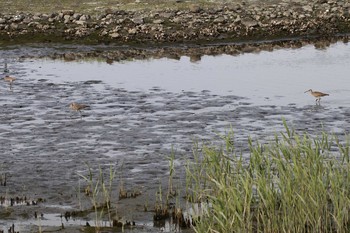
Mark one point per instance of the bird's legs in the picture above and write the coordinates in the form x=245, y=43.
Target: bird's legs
x=318, y=100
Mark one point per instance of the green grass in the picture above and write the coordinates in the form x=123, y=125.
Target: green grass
x=297, y=183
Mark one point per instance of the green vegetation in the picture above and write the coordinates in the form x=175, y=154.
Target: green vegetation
x=100, y=192
x=296, y=183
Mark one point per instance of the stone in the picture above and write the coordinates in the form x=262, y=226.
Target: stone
x=158, y=21
x=307, y=8
x=14, y=26
x=132, y=31
x=167, y=15
x=195, y=8
x=68, y=12
x=137, y=20
x=220, y=19
x=249, y=23
x=32, y=24
x=80, y=22
x=76, y=16
x=66, y=21
x=114, y=35
x=238, y=19
x=44, y=17
x=83, y=18
x=66, y=17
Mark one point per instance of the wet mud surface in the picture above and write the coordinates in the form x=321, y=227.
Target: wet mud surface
x=45, y=145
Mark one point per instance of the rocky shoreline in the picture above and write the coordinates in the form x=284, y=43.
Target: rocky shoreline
x=232, y=22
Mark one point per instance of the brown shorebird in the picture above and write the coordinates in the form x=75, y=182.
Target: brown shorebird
x=317, y=95
x=9, y=79
x=78, y=107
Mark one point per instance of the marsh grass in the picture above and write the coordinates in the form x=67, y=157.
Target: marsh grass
x=100, y=193
x=171, y=192
x=297, y=183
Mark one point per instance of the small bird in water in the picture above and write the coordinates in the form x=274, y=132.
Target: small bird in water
x=317, y=95
x=10, y=80
x=78, y=107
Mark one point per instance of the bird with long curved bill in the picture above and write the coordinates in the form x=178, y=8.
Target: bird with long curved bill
x=317, y=94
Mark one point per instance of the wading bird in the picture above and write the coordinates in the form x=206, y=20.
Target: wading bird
x=78, y=107
x=10, y=80
x=317, y=95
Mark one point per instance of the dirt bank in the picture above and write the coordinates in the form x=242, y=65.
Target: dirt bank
x=223, y=23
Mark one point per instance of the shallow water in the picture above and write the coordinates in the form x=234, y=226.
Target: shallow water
x=140, y=109
x=279, y=77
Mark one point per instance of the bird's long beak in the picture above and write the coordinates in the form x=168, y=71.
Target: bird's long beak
x=306, y=91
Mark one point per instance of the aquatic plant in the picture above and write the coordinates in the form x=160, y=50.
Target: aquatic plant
x=295, y=183
x=99, y=193
x=171, y=192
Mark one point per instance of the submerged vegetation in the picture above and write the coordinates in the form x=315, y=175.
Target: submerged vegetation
x=296, y=183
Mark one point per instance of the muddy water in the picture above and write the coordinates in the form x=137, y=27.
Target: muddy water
x=141, y=109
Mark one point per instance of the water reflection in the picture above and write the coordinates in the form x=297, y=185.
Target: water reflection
x=278, y=78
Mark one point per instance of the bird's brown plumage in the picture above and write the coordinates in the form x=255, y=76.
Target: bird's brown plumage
x=77, y=107
x=9, y=79
x=317, y=94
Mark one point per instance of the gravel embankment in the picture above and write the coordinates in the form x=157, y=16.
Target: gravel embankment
x=231, y=22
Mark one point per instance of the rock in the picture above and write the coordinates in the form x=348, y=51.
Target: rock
x=132, y=31
x=76, y=16
x=114, y=35
x=2, y=20
x=158, y=21
x=60, y=16
x=66, y=17
x=167, y=15
x=137, y=20
x=84, y=18
x=44, y=17
x=220, y=19
x=177, y=20
x=249, y=23
x=238, y=19
x=31, y=24
x=195, y=8
x=18, y=18
x=307, y=8
x=80, y=22
x=68, y=12
x=14, y=26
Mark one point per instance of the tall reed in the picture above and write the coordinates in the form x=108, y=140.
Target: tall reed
x=296, y=183
x=100, y=193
